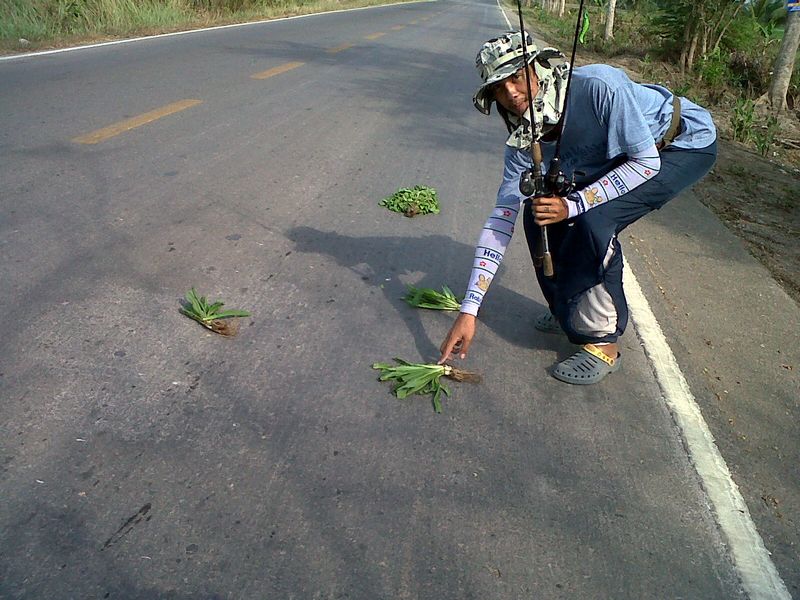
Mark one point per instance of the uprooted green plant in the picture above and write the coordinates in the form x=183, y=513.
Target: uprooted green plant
x=419, y=200
x=418, y=378
x=430, y=298
x=211, y=315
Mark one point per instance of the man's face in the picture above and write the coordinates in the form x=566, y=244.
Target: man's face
x=512, y=92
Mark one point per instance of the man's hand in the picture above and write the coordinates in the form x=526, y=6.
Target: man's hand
x=549, y=209
x=459, y=338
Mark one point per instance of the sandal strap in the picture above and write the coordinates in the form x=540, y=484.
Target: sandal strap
x=595, y=351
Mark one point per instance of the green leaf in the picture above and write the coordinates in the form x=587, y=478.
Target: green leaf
x=191, y=315
x=191, y=295
x=414, y=378
x=437, y=403
x=215, y=307
x=227, y=314
x=429, y=298
x=584, y=28
x=199, y=309
x=422, y=198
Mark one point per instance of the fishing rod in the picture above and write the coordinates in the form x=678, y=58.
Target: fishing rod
x=532, y=182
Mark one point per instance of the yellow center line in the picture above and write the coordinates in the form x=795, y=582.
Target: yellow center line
x=398, y=27
x=122, y=126
x=338, y=48
x=276, y=70
x=375, y=36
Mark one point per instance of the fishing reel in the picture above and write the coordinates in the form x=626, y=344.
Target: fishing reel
x=532, y=184
x=554, y=183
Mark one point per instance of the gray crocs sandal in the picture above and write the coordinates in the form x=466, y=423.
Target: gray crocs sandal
x=548, y=323
x=588, y=365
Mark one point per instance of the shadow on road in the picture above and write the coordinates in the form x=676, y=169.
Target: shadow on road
x=506, y=312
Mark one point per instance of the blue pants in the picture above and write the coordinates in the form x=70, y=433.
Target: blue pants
x=586, y=294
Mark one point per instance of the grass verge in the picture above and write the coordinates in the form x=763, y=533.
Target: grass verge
x=27, y=25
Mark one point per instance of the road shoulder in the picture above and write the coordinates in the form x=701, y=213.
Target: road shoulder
x=728, y=323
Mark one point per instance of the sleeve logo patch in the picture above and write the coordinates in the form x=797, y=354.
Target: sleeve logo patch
x=495, y=256
x=593, y=196
x=618, y=183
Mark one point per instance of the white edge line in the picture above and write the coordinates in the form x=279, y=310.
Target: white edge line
x=10, y=57
x=503, y=12
x=751, y=559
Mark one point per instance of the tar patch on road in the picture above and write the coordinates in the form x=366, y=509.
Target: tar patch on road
x=126, y=528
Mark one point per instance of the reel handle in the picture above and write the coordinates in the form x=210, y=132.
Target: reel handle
x=547, y=266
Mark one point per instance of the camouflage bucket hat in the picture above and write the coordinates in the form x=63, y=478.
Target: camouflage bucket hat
x=497, y=59
x=502, y=57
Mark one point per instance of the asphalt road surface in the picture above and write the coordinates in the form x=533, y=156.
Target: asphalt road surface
x=144, y=457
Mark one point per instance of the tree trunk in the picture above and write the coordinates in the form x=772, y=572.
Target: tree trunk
x=609, y=33
x=684, y=51
x=689, y=41
x=784, y=63
x=561, y=6
x=692, y=49
x=704, y=43
x=692, y=37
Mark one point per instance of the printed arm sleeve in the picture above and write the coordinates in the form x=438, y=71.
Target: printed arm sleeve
x=640, y=167
x=492, y=245
x=496, y=233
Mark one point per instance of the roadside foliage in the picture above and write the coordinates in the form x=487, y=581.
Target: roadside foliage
x=739, y=55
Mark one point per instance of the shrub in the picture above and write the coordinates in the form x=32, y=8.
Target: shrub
x=713, y=69
x=743, y=120
x=750, y=73
x=765, y=137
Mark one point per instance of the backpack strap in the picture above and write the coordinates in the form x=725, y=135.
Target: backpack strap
x=674, y=128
